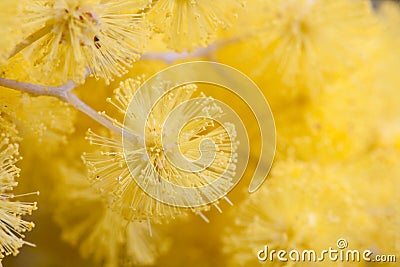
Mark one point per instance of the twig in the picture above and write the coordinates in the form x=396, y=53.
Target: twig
x=170, y=57
x=63, y=93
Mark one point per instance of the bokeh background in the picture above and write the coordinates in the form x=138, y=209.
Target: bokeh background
x=329, y=70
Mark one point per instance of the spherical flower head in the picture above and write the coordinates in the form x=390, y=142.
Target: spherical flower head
x=374, y=177
x=99, y=233
x=11, y=223
x=344, y=121
x=308, y=42
x=42, y=121
x=150, y=164
x=188, y=24
x=302, y=201
x=77, y=37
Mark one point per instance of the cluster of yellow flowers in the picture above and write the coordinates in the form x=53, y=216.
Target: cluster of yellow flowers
x=108, y=168
x=327, y=68
x=11, y=224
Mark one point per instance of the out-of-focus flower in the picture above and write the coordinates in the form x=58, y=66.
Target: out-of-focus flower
x=329, y=70
x=41, y=121
x=100, y=37
x=301, y=40
x=99, y=232
x=189, y=24
x=327, y=129
x=12, y=226
x=8, y=129
x=295, y=47
x=108, y=169
x=374, y=181
x=304, y=200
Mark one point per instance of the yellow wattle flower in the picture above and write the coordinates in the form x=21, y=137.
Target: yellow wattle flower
x=305, y=200
x=188, y=24
x=108, y=169
x=309, y=41
x=12, y=226
x=102, y=38
x=328, y=128
x=293, y=47
x=336, y=171
x=42, y=121
x=100, y=233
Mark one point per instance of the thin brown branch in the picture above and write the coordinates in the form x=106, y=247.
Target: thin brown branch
x=64, y=93
x=208, y=51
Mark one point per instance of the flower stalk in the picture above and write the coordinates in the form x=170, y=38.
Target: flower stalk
x=65, y=94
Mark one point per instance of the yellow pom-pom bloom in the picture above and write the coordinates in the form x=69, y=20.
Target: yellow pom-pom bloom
x=77, y=36
x=12, y=226
x=39, y=120
x=354, y=200
x=301, y=38
x=298, y=45
x=99, y=232
x=188, y=24
x=108, y=168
